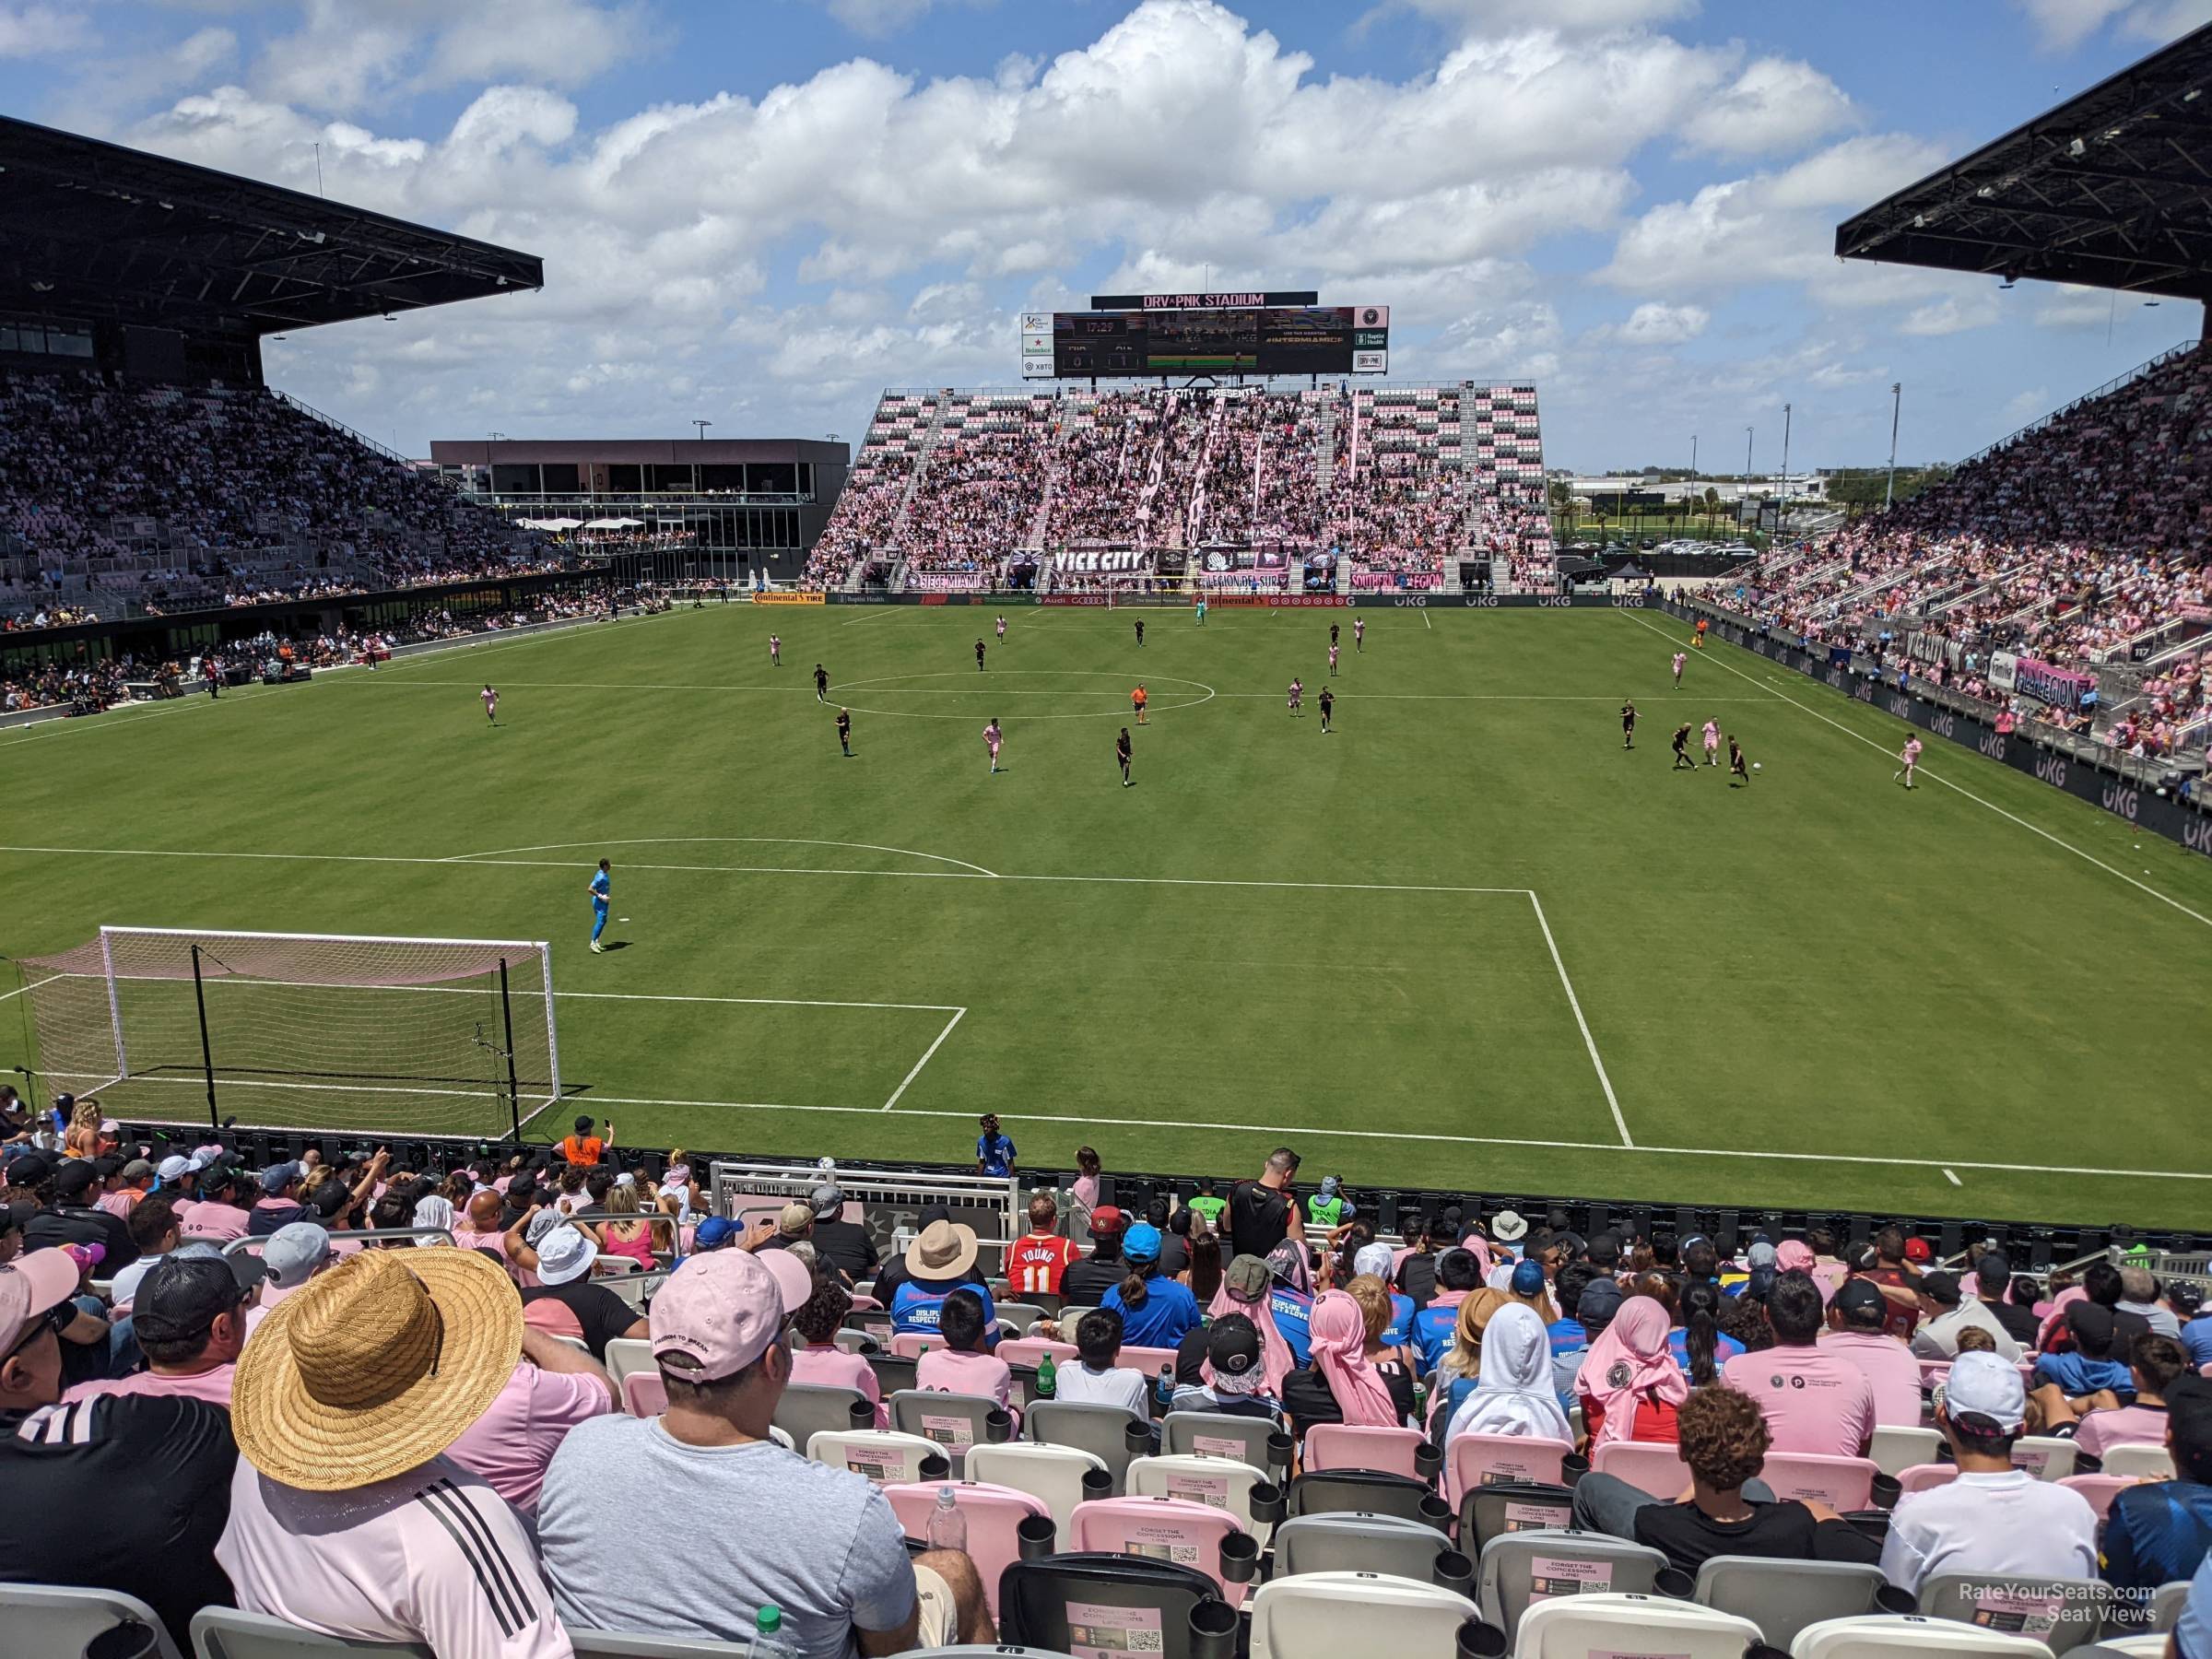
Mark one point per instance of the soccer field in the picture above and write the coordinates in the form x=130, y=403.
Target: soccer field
x=1463, y=941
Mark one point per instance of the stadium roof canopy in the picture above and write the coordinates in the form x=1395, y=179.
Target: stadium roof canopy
x=98, y=233
x=2112, y=189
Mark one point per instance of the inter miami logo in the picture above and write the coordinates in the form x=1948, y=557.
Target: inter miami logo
x=1620, y=1374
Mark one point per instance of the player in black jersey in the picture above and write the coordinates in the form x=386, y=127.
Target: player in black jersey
x=1121, y=754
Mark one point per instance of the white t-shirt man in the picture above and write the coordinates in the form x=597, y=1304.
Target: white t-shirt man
x=432, y=1555
x=2010, y=1524
x=1117, y=1386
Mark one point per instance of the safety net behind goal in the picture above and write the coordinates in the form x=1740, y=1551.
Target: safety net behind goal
x=300, y=1031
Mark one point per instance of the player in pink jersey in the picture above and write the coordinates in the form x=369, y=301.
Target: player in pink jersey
x=775, y=652
x=1910, y=758
x=1297, y=689
x=1358, y=633
x=1680, y=658
x=1332, y=656
x=491, y=705
x=992, y=737
x=1712, y=743
x=1002, y=631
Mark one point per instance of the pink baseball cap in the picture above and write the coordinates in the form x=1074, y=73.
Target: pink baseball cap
x=30, y=1285
x=722, y=1311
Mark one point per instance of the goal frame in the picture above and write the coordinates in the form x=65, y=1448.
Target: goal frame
x=520, y=1112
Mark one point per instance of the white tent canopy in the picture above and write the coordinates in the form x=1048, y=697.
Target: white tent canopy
x=612, y=524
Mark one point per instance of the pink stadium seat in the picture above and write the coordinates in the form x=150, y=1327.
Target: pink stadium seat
x=1146, y=1359
x=1194, y=1535
x=644, y=1395
x=2100, y=1489
x=1338, y=1446
x=1657, y=1469
x=994, y=1513
x=1480, y=1460
x=913, y=1345
x=1024, y=1351
x=1920, y=1476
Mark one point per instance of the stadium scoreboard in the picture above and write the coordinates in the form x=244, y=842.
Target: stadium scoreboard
x=1127, y=336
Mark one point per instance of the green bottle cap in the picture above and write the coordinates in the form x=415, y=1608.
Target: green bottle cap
x=768, y=1620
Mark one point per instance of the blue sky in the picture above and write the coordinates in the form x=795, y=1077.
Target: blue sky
x=761, y=212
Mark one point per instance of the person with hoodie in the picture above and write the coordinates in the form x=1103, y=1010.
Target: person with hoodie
x=1513, y=1392
x=1247, y=1292
x=1156, y=1311
x=1343, y=1385
x=1631, y=1387
x=1456, y=1372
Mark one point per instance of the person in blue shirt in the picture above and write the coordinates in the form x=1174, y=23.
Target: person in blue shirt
x=1374, y=1260
x=1458, y=1274
x=2196, y=1329
x=2160, y=1533
x=1156, y=1311
x=938, y=1263
x=2088, y=1365
x=602, y=891
x=1701, y=1315
x=1290, y=1298
x=994, y=1152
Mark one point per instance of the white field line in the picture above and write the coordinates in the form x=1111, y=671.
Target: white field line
x=702, y=841
x=1281, y=1131
x=761, y=1002
x=1427, y=625
x=1952, y=1179
x=1574, y=1003
x=486, y=860
x=995, y=690
x=31, y=985
x=1938, y=777
x=926, y=1054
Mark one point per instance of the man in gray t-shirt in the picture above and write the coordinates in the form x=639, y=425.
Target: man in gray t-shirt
x=820, y=1544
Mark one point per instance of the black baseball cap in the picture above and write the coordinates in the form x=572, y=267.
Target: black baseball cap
x=183, y=1291
x=1940, y=1288
x=1857, y=1297
x=1600, y=1300
x=73, y=1175
x=1232, y=1345
x=1995, y=1272
x=28, y=1169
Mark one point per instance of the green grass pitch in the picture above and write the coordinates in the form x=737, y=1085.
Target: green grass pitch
x=1464, y=941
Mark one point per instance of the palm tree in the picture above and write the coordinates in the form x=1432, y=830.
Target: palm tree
x=1712, y=507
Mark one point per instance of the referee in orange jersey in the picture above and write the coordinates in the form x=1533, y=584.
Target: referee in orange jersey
x=1136, y=701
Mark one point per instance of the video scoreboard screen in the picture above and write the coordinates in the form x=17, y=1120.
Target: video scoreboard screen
x=1202, y=339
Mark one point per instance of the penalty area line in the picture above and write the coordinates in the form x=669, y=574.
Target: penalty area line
x=928, y=1054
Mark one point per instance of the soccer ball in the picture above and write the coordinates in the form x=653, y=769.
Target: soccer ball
x=1754, y=766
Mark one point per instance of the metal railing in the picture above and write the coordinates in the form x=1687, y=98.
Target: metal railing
x=335, y=425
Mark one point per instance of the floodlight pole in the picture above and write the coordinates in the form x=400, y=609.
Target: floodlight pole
x=1896, y=403
x=1746, y=496
x=1782, y=522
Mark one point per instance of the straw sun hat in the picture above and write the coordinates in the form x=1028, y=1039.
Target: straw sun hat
x=375, y=1367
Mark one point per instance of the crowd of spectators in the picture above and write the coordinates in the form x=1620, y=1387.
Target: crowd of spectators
x=952, y=483
x=2082, y=542
x=368, y=1423
x=172, y=497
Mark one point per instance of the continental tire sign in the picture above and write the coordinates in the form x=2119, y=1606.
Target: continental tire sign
x=787, y=597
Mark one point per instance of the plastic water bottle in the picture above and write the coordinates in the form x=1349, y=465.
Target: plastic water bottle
x=768, y=1641
x=1047, y=1377
x=1166, y=1387
x=948, y=1526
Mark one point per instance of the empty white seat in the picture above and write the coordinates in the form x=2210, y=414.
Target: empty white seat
x=881, y=1455
x=62, y=1619
x=1330, y=1614
x=1873, y=1636
x=2143, y=1461
x=1051, y=1473
x=1575, y=1627
x=1781, y=1597
x=1897, y=1449
x=225, y=1633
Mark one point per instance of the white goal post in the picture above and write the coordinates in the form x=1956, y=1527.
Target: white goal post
x=287, y=1030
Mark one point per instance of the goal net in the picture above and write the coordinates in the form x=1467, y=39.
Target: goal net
x=300, y=1031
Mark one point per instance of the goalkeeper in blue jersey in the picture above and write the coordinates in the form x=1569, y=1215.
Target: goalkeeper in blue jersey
x=602, y=891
